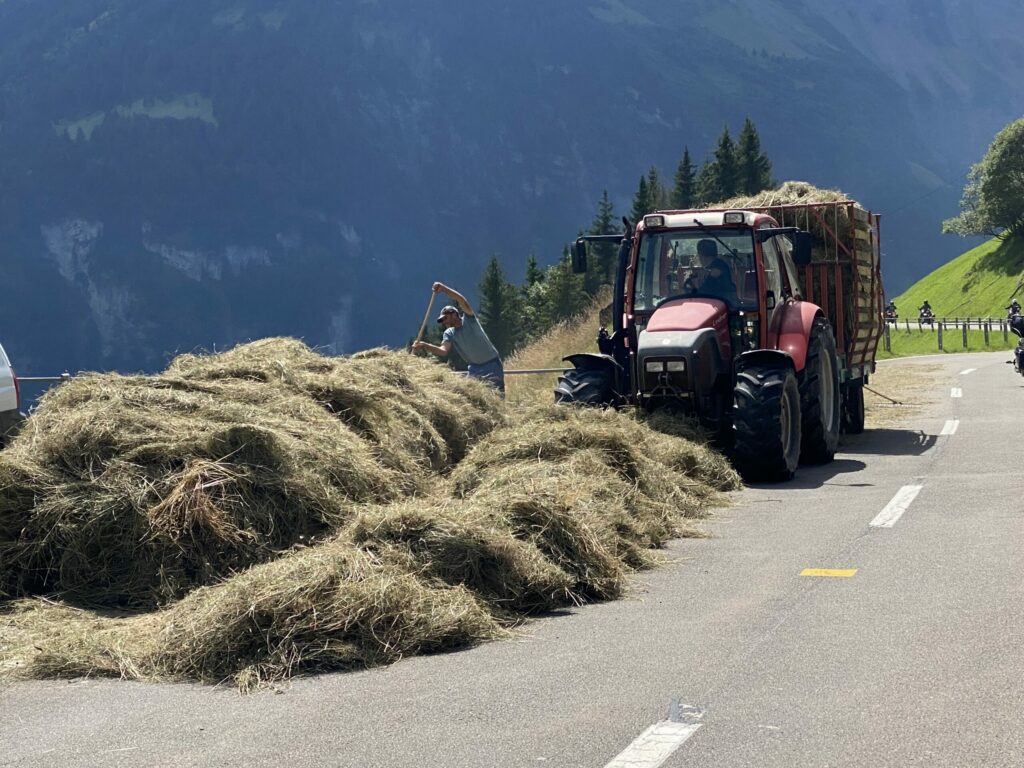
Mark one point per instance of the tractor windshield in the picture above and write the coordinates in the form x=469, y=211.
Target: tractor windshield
x=693, y=262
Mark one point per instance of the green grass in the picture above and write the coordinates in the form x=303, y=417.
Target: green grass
x=906, y=343
x=979, y=283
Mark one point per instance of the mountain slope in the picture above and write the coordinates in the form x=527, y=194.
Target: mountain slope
x=179, y=173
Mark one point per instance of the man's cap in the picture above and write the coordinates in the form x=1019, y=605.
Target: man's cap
x=447, y=311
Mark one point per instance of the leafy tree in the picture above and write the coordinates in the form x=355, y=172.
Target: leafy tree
x=685, y=181
x=754, y=169
x=564, y=293
x=501, y=309
x=536, y=321
x=993, y=198
x=602, y=270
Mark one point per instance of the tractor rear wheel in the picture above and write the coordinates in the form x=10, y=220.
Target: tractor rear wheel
x=853, y=407
x=585, y=386
x=820, y=401
x=766, y=423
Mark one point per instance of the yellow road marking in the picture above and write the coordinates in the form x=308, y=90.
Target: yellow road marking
x=839, y=573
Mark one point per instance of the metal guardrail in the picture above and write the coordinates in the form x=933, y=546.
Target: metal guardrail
x=956, y=322
x=941, y=326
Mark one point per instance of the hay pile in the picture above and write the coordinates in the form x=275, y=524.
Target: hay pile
x=269, y=510
x=799, y=192
x=130, y=491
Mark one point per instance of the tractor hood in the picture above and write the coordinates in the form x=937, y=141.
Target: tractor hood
x=688, y=315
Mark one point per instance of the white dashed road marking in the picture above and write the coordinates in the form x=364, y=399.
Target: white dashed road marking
x=956, y=392
x=894, y=509
x=655, y=745
x=950, y=427
x=969, y=370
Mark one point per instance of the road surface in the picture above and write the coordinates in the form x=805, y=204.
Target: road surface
x=867, y=614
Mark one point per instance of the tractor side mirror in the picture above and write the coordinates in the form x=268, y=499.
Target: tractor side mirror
x=769, y=300
x=579, y=256
x=802, y=248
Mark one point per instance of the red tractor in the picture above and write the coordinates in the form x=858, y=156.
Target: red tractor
x=765, y=332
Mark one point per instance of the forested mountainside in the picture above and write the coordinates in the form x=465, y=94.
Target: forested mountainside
x=178, y=174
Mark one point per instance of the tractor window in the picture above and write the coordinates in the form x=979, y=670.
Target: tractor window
x=693, y=262
x=773, y=269
x=786, y=251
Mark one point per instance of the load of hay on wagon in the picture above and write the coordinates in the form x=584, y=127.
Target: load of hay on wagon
x=269, y=510
x=844, y=232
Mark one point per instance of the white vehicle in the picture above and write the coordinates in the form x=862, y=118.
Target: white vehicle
x=10, y=400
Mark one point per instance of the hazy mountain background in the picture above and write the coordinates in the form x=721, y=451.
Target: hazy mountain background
x=178, y=174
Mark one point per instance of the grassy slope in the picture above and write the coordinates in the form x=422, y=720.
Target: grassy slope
x=578, y=334
x=979, y=283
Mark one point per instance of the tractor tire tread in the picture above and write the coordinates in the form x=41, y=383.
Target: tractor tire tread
x=758, y=450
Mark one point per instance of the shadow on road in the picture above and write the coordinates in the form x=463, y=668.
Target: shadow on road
x=888, y=442
x=810, y=476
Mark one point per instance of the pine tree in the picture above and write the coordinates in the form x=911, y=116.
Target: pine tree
x=753, y=166
x=641, y=201
x=500, y=309
x=725, y=166
x=706, y=187
x=602, y=271
x=657, y=195
x=534, y=274
x=684, y=186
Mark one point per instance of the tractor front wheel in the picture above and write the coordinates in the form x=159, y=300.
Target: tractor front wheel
x=766, y=423
x=585, y=386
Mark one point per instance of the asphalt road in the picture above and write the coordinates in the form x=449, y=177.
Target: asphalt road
x=911, y=657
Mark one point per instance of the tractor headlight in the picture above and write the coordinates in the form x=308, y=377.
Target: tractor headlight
x=676, y=366
x=734, y=217
x=654, y=366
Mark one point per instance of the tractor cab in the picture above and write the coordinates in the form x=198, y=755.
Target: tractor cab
x=700, y=289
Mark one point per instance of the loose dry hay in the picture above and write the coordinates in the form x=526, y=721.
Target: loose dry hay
x=331, y=606
x=556, y=508
x=130, y=491
x=798, y=192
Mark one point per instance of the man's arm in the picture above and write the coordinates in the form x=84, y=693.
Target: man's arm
x=456, y=296
x=441, y=351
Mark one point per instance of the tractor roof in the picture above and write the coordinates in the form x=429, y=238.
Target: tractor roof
x=706, y=218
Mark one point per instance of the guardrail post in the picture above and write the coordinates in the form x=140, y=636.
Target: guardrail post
x=1006, y=330
x=940, y=336
x=986, y=333
x=964, y=329
x=887, y=340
